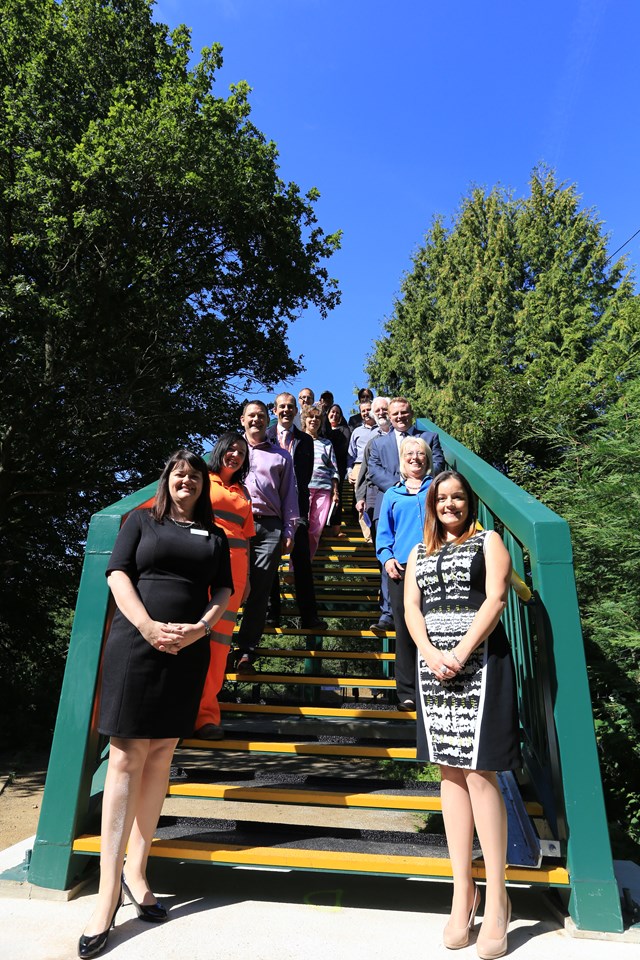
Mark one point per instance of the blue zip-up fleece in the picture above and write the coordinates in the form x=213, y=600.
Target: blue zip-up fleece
x=401, y=522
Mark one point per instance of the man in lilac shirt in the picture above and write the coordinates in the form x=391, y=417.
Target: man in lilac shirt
x=272, y=487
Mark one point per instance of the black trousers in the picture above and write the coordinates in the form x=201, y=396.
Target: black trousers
x=302, y=578
x=405, y=670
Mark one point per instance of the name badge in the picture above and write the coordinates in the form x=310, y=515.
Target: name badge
x=199, y=533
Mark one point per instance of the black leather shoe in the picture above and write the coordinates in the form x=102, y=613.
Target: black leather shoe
x=210, y=731
x=92, y=946
x=245, y=664
x=407, y=706
x=381, y=626
x=316, y=624
x=154, y=913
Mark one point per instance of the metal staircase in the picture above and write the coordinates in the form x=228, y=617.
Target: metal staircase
x=310, y=727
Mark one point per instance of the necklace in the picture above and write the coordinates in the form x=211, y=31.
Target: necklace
x=181, y=523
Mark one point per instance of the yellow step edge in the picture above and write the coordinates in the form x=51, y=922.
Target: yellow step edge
x=336, y=614
x=324, y=798
x=327, y=681
x=325, y=632
x=342, y=597
x=328, y=860
x=296, y=711
x=340, y=557
x=304, y=748
x=387, y=801
x=325, y=654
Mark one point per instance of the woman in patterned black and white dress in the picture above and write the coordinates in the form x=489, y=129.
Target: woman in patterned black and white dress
x=456, y=588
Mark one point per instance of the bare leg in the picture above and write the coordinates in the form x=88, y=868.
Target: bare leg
x=491, y=823
x=458, y=824
x=155, y=778
x=121, y=790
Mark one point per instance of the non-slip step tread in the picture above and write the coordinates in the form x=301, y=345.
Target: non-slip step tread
x=425, y=798
x=325, y=632
x=324, y=654
x=310, y=711
x=305, y=796
x=304, y=748
x=265, y=726
x=301, y=678
x=329, y=860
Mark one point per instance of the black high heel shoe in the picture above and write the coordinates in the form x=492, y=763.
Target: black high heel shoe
x=155, y=913
x=92, y=946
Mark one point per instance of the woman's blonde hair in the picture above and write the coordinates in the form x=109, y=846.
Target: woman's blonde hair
x=434, y=535
x=305, y=413
x=426, y=449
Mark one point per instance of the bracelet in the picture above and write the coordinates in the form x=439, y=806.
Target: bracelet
x=207, y=628
x=459, y=662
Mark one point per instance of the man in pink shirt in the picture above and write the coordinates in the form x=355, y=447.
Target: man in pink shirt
x=272, y=487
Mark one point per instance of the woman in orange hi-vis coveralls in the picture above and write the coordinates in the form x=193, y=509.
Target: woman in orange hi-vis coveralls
x=228, y=465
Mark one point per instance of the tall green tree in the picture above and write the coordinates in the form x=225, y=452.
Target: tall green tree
x=506, y=320
x=151, y=259
x=595, y=485
x=515, y=334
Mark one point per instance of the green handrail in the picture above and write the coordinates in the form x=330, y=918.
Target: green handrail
x=559, y=748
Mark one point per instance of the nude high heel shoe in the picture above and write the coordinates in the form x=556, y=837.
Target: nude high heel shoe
x=491, y=948
x=454, y=938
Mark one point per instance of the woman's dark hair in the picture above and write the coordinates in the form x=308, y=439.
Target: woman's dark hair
x=434, y=535
x=202, y=513
x=336, y=406
x=222, y=447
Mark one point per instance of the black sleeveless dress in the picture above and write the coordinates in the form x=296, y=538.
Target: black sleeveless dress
x=470, y=721
x=146, y=693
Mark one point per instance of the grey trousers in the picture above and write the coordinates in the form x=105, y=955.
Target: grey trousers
x=264, y=557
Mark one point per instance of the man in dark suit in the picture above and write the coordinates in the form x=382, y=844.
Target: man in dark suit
x=383, y=470
x=300, y=446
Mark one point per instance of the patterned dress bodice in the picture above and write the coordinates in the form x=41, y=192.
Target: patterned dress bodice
x=454, y=576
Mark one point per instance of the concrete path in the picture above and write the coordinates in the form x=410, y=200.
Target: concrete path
x=225, y=914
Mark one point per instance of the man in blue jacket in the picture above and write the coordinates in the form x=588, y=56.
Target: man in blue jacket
x=384, y=461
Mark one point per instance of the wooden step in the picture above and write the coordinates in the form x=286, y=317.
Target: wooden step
x=340, y=861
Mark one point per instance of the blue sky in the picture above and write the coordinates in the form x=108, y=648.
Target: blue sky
x=393, y=110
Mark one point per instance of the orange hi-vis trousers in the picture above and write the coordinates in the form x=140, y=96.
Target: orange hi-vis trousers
x=209, y=710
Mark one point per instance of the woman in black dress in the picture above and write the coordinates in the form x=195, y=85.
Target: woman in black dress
x=456, y=588
x=170, y=577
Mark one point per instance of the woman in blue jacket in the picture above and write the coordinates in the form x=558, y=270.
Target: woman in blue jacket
x=400, y=527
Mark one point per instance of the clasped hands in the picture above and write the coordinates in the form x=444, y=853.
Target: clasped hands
x=171, y=637
x=443, y=664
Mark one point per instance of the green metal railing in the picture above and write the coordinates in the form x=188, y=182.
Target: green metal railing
x=559, y=744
